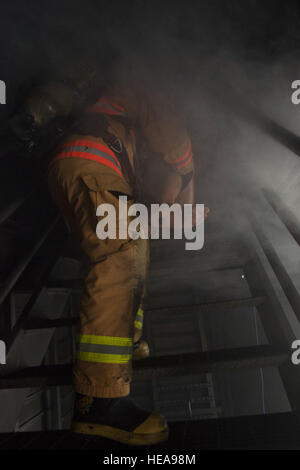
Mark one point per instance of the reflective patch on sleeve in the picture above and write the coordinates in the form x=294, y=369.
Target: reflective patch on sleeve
x=90, y=150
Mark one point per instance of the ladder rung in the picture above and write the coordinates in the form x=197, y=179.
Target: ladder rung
x=211, y=361
x=212, y=306
x=40, y=376
x=41, y=324
x=175, y=365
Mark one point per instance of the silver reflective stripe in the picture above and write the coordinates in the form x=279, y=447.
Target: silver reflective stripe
x=104, y=348
x=93, y=151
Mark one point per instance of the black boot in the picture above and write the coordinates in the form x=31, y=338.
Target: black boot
x=118, y=419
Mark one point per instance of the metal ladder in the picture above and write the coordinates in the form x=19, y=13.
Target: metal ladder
x=270, y=267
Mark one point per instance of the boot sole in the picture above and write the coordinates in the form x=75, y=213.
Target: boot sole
x=119, y=435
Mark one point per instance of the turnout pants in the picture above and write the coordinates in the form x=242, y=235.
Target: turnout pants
x=110, y=311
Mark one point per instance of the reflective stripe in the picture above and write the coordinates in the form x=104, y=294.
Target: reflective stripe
x=89, y=150
x=183, y=160
x=138, y=325
x=104, y=358
x=109, y=340
x=140, y=314
x=105, y=106
x=106, y=349
x=139, y=319
x=95, y=146
x=77, y=148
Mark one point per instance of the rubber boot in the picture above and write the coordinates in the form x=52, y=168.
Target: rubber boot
x=118, y=419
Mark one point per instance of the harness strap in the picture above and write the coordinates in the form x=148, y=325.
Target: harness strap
x=113, y=154
x=97, y=125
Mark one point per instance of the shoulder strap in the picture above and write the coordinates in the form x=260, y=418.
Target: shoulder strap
x=97, y=126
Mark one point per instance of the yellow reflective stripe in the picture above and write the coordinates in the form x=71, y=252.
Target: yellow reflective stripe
x=139, y=319
x=108, y=340
x=138, y=325
x=105, y=358
x=140, y=312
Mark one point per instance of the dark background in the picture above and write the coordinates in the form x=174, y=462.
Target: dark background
x=36, y=35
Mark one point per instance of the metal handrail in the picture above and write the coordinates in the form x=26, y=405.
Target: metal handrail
x=23, y=318
x=14, y=276
x=12, y=207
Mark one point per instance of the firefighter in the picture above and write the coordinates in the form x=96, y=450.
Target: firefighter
x=95, y=163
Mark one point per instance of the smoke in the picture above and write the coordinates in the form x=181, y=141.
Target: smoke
x=212, y=59
x=223, y=64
